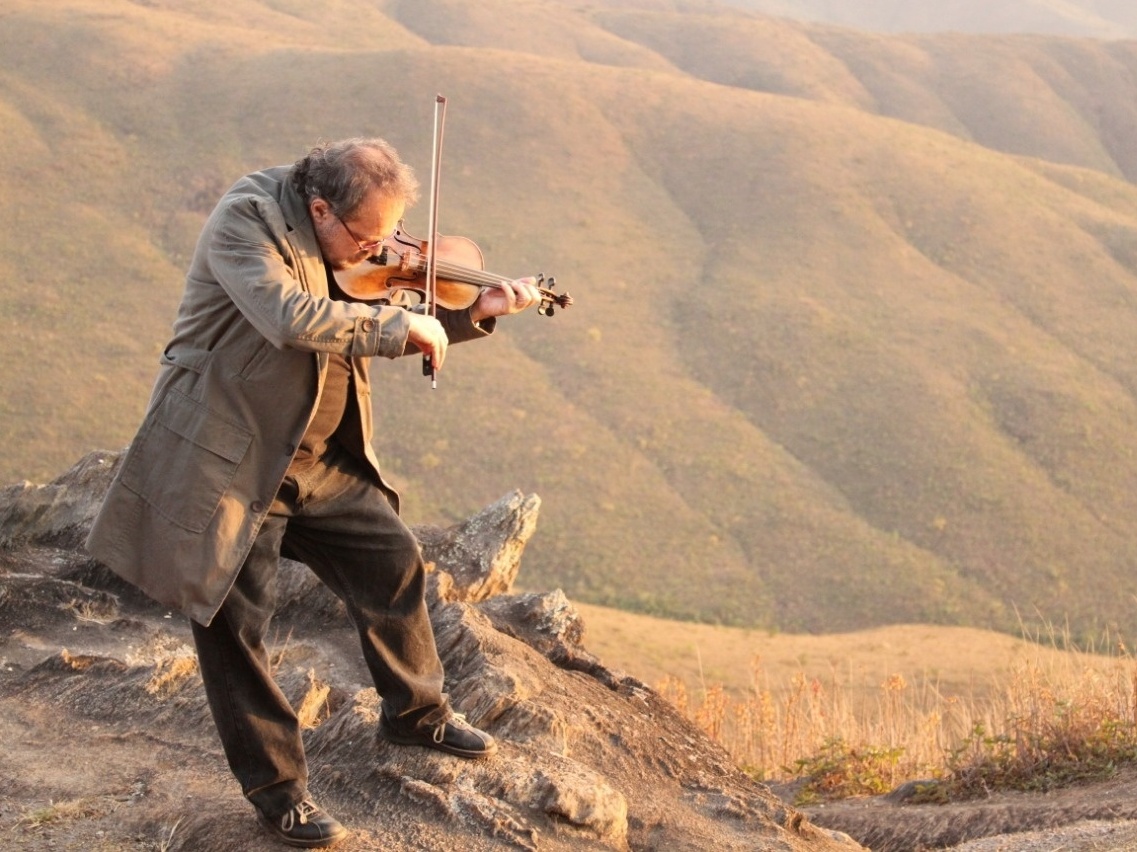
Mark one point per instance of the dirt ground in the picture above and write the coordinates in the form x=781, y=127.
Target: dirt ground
x=110, y=746
x=74, y=782
x=81, y=776
x=1084, y=818
x=90, y=764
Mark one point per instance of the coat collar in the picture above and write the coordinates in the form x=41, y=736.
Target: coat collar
x=295, y=208
x=302, y=235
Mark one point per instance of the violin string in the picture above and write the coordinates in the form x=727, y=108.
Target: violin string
x=469, y=275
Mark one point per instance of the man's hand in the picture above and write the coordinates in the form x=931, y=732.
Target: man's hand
x=429, y=336
x=511, y=298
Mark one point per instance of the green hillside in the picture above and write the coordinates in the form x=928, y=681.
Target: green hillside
x=837, y=360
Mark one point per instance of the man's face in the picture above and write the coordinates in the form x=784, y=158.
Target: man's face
x=350, y=241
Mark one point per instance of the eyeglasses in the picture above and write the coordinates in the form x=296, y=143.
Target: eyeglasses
x=371, y=245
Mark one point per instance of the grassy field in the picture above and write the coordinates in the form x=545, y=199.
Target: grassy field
x=964, y=662
x=962, y=711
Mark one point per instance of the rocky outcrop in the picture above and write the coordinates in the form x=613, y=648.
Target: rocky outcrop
x=590, y=758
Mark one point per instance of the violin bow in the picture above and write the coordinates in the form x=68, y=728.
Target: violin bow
x=431, y=298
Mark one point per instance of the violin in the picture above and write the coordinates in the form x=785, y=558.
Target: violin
x=401, y=264
x=408, y=263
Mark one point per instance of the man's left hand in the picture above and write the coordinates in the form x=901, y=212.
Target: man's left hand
x=511, y=298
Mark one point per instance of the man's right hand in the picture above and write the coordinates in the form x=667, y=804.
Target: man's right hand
x=429, y=336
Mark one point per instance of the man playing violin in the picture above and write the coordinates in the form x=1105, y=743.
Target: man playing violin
x=257, y=443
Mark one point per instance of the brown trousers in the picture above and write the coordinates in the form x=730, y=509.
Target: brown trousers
x=337, y=521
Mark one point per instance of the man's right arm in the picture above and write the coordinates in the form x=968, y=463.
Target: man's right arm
x=247, y=261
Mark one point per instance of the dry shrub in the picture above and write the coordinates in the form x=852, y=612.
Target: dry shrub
x=88, y=807
x=1048, y=731
x=170, y=674
x=314, y=706
x=1047, y=725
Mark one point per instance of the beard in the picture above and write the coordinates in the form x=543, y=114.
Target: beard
x=341, y=264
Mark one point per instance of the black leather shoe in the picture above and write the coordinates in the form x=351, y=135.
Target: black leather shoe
x=453, y=735
x=304, y=824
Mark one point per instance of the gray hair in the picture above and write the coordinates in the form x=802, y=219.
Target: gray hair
x=343, y=173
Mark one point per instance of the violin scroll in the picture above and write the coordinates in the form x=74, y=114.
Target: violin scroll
x=549, y=299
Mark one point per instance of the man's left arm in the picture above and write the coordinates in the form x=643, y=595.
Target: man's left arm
x=480, y=319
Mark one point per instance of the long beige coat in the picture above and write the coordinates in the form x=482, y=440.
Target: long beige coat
x=238, y=384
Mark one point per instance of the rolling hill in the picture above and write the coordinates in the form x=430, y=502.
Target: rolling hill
x=1107, y=19
x=851, y=341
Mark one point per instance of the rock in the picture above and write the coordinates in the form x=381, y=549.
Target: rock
x=60, y=512
x=589, y=758
x=550, y=624
x=482, y=555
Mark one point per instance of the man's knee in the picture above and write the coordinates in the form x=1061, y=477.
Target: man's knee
x=394, y=572
x=404, y=558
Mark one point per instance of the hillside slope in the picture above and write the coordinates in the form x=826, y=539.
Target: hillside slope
x=1065, y=100
x=1110, y=19
x=827, y=368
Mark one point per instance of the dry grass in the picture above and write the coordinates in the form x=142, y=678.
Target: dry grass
x=87, y=807
x=1055, y=718
x=314, y=707
x=960, y=661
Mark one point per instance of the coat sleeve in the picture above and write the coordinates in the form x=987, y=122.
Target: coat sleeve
x=459, y=327
x=250, y=257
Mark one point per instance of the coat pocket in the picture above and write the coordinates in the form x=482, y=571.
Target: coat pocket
x=184, y=459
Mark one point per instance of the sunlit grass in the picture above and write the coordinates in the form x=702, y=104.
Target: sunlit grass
x=1053, y=720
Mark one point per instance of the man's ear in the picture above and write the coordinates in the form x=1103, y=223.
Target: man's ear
x=318, y=209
